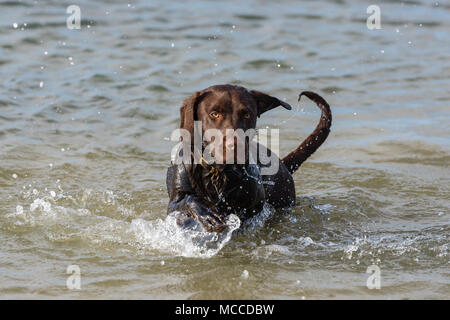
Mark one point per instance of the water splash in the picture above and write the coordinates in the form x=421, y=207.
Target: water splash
x=98, y=217
x=257, y=222
x=166, y=235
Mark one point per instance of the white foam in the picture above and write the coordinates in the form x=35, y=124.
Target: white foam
x=19, y=209
x=349, y=251
x=43, y=205
x=305, y=241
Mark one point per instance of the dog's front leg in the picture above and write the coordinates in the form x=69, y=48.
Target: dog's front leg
x=192, y=209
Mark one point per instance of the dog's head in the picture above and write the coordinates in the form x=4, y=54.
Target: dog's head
x=224, y=110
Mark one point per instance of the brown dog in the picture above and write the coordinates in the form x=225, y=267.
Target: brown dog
x=208, y=192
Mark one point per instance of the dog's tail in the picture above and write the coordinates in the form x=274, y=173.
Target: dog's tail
x=295, y=159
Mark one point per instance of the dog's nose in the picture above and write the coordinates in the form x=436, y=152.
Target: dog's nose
x=229, y=144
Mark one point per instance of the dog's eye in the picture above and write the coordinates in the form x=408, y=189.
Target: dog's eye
x=214, y=114
x=247, y=115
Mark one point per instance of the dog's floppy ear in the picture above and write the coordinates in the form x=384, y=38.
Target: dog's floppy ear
x=266, y=102
x=188, y=111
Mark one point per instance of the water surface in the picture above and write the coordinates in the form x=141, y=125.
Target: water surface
x=85, y=121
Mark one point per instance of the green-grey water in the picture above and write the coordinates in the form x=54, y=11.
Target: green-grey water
x=85, y=123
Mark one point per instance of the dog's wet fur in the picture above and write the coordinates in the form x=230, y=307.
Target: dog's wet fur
x=208, y=193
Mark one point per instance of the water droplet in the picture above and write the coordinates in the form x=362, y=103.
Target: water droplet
x=19, y=209
x=15, y=25
x=14, y=176
x=245, y=274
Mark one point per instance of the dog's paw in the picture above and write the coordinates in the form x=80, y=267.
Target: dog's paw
x=212, y=222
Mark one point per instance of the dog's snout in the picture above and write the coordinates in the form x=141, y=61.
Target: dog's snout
x=230, y=143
